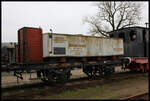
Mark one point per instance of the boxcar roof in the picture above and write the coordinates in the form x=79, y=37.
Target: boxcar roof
x=29, y=28
x=81, y=35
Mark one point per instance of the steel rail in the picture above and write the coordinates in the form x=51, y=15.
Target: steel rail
x=134, y=96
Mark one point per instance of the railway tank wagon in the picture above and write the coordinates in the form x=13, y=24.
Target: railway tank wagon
x=54, y=55
x=136, y=46
x=96, y=55
x=8, y=53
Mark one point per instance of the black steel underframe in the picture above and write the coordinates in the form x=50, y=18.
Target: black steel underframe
x=43, y=66
x=47, y=72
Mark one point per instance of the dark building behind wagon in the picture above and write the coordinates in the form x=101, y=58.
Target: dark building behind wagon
x=136, y=41
x=8, y=52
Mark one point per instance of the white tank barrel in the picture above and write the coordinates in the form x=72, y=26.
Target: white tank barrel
x=80, y=45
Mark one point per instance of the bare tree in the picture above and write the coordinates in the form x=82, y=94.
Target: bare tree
x=112, y=16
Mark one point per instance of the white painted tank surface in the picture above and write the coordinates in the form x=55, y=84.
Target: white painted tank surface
x=80, y=45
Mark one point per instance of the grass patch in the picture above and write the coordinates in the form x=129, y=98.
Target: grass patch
x=5, y=74
x=107, y=91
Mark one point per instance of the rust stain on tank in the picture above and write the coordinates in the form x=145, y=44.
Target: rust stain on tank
x=118, y=49
x=76, y=45
x=59, y=39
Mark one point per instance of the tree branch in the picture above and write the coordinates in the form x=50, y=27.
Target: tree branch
x=113, y=16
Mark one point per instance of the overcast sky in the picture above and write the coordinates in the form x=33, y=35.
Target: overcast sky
x=61, y=17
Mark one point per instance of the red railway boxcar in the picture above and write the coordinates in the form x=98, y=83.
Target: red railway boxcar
x=30, y=44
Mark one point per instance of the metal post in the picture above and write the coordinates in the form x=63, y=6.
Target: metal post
x=51, y=40
x=17, y=80
x=30, y=74
x=146, y=24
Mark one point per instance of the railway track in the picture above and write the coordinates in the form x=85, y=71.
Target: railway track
x=140, y=96
x=76, y=75
x=78, y=82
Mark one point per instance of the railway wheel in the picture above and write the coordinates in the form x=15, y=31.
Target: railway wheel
x=94, y=71
x=57, y=76
x=107, y=71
